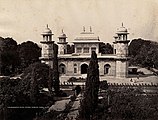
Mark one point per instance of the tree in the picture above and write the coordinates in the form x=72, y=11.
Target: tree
x=55, y=70
x=105, y=48
x=70, y=49
x=9, y=59
x=26, y=91
x=144, y=53
x=90, y=99
x=29, y=53
x=34, y=90
x=42, y=73
x=104, y=85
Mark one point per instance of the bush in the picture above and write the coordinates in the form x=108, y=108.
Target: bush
x=72, y=98
x=103, y=85
x=72, y=79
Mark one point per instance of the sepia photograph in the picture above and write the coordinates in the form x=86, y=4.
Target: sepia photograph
x=79, y=60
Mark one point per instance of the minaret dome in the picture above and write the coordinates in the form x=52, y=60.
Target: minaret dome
x=47, y=31
x=122, y=30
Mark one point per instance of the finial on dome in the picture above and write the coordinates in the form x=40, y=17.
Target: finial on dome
x=62, y=31
x=47, y=25
x=122, y=24
x=90, y=29
x=84, y=29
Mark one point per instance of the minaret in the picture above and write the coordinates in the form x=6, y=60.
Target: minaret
x=62, y=44
x=121, y=46
x=47, y=47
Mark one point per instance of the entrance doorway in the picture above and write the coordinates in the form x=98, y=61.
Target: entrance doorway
x=84, y=68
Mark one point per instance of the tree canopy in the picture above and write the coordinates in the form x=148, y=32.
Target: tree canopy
x=15, y=58
x=105, y=48
x=144, y=53
x=9, y=59
x=29, y=53
x=25, y=91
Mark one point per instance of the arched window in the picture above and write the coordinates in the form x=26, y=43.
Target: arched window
x=62, y=69
x=84, y=68
x=75, y=68
x=106, y=68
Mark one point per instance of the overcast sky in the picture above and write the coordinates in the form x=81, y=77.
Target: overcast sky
x=25, y=19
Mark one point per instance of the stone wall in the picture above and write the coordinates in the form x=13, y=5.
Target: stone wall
x=71, y=64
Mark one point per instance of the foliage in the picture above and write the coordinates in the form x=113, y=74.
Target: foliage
x=29, y=53
x=50, y=115
x=34, y=90
x=70, y=49
x=55, y=70
x=144, y=53
x=124, y=103
x=9, y=59
x=90, y=99
x=11, y=95
x=25, y=92
x=103, y=85
x=128, y=104
x=72, y=79
x=42, y=72
x=105, y=48
x=8, y=91
x=15, y=58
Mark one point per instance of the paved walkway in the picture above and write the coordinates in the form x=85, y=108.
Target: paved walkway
x=59, y=105
x=67, y=105
x=72, y=115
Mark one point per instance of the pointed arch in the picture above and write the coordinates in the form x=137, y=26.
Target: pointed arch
x=62, y=68
x=84, y=68
x=106, y=68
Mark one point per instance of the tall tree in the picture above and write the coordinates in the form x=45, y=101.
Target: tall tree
x=90, y=99
x=55, y=70
x=34, y=90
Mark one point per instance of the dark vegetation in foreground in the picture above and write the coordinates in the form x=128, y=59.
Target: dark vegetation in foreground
x=128, y=104
x=118, y=102
x=25, y=92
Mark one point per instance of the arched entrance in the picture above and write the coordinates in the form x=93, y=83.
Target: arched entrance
x=84, y=68
x=106, y=68
x=62, y=69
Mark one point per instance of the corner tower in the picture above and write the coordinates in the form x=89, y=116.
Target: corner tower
x=62, y=43
x=47, y=47
x=121, y=46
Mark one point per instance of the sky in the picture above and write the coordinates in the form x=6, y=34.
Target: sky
x=25, y=20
